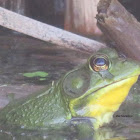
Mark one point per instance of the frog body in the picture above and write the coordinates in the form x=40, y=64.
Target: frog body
x=31, y=113
x=94, y=90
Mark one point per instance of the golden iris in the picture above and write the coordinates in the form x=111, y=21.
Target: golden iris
x=99, y=63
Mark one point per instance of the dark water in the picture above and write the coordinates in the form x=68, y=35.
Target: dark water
x=81, y=131
x=19, y=57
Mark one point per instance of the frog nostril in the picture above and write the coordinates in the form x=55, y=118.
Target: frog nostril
x=123, y=56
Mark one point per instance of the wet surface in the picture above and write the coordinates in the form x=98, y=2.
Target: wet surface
x=86, y=132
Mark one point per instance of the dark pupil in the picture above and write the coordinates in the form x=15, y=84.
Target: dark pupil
x=100, y=62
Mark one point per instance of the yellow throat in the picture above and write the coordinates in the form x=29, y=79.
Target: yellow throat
x=103, y=103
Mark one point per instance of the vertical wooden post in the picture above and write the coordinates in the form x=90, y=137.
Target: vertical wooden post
x=80, y=17
x=17, y=6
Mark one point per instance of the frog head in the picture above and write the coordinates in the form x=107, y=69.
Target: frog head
x=97, y=89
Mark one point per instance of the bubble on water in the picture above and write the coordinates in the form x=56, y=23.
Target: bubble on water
x=45, y=137
x=22, y=134
x=22, y=126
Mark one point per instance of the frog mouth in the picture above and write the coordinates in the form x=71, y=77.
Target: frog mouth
x=114, y=93
x=109, y=97
x=104, y=101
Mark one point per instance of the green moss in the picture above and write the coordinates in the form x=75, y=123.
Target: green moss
x=36, y=74
x=42, y=79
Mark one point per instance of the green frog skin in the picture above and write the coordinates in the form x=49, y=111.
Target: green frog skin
x=94, y=91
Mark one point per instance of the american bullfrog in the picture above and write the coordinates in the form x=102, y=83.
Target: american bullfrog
x=92, y=91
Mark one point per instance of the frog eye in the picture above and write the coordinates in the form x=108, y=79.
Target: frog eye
x=99, y=63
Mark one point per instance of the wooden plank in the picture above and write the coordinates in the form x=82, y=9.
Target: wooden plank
x=46, y=32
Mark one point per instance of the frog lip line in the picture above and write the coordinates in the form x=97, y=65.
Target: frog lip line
x=113, y=83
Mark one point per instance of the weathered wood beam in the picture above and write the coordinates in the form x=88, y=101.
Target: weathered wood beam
x=120, y=26
x=46, y=32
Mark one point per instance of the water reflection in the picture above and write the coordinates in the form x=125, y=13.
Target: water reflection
x=82, y=131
